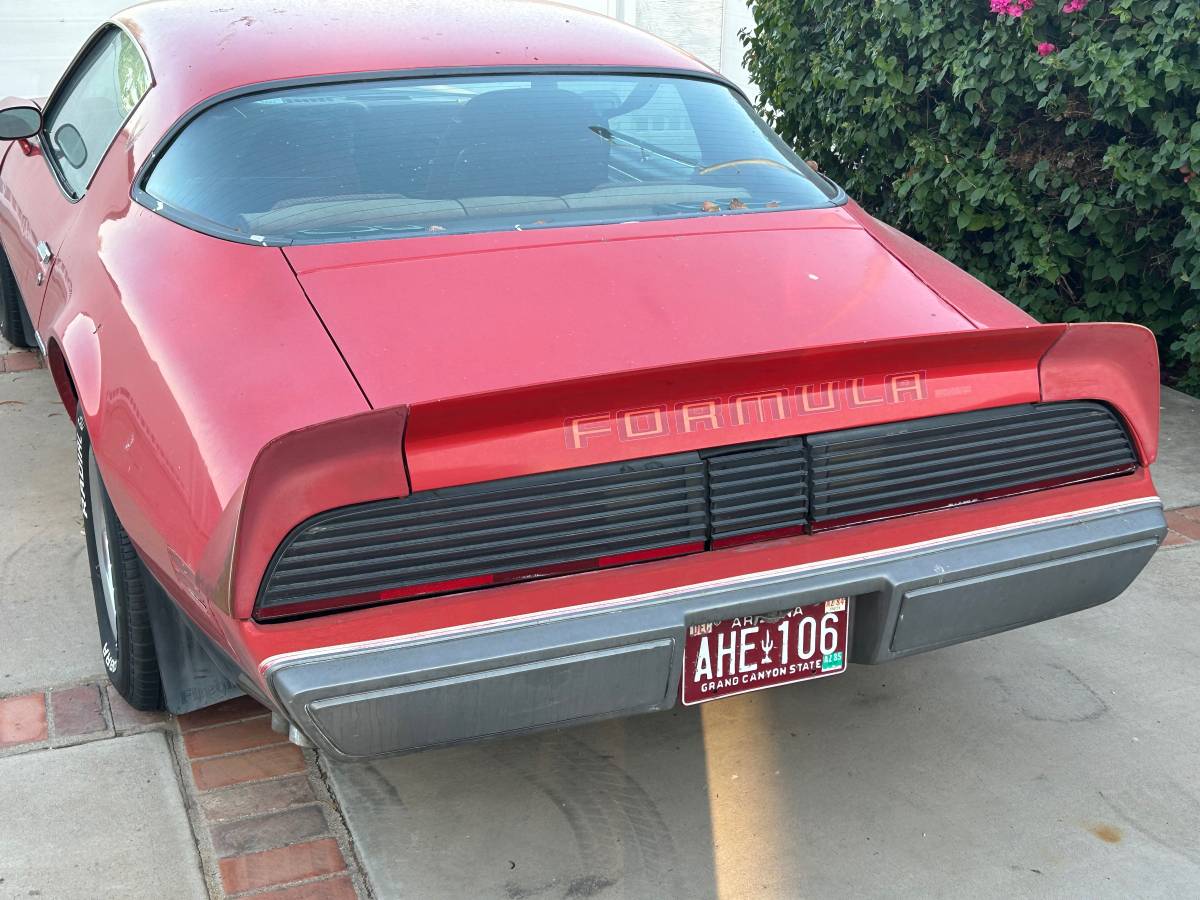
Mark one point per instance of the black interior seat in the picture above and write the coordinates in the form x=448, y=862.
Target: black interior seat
x=520, y=141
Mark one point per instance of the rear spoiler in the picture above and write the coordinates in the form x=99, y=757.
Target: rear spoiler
x=732, y=401
x=651, y=412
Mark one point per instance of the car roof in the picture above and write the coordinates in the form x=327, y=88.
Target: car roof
x=199, y=49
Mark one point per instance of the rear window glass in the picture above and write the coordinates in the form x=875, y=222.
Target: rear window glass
x=409, y=157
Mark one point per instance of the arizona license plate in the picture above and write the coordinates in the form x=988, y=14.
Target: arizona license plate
x=750, y=653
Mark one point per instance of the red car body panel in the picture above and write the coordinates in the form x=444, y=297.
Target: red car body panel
x=208, y=50
x=1118, y=363
x=40, y=214
x=232, y=391
x=176, y=419
x=426, y=320
x=982, y=306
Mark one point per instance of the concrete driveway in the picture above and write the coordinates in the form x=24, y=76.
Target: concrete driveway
x=1058, y=761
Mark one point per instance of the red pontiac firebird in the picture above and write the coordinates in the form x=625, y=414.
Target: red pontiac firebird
x=450, y=372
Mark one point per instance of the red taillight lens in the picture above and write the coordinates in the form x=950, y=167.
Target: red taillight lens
x=758, y=537
x=327, y=604
x=1045, y=484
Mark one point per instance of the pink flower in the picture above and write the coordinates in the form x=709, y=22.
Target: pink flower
x=1014, y=8
x=1045, y=48
x=1073, y=6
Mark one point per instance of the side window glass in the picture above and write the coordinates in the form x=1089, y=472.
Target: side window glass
x=93, y=104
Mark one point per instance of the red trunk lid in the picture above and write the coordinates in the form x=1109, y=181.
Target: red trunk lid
x=435, y=317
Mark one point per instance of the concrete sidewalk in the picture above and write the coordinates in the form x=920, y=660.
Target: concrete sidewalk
x=1058, y=760
x=96, y=799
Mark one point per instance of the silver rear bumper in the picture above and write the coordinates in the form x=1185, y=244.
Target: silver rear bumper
x=625, y=657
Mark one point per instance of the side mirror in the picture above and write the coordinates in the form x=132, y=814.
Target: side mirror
x=19, y=121
x=70, y=145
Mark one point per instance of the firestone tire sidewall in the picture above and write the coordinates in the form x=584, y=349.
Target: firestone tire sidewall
x=116, y=664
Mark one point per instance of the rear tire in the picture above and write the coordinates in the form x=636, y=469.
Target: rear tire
x=15, y=326
x=118, y=584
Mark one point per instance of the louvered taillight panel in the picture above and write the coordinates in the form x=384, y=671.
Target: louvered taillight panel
x=882, y=469
x=464, y=537
x=520, y=525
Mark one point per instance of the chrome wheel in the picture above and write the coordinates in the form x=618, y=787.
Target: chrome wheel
x=104, y=548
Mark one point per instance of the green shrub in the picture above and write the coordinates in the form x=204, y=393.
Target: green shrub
x=1063, y=180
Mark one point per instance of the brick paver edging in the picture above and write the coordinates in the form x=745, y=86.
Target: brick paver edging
x=19, y=360
x=1183, y=526
x=264, y=820
x=73, y=714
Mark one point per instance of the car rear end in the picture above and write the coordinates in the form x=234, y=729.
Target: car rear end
x=773, y=539
x=657, y=415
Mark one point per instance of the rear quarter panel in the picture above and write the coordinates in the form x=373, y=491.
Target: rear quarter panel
x=188, y=355
x=973, y=299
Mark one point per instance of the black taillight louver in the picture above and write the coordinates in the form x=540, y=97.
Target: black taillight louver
x=870, y=471
x=521, y=524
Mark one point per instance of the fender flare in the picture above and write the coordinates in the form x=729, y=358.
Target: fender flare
x=74, y=361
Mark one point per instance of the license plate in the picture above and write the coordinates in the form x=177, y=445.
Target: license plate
x=750, y=653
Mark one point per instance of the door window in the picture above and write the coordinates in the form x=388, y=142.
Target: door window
x=91, y=106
